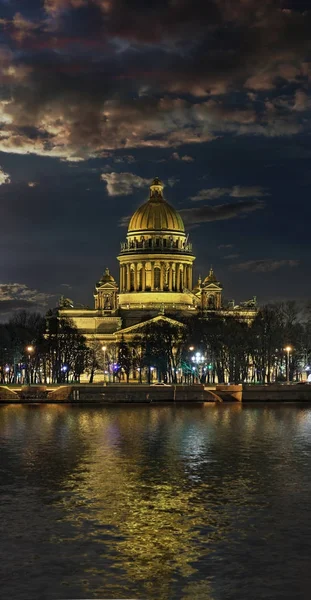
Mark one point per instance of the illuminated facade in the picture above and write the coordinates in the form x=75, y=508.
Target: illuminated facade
x=156, y=262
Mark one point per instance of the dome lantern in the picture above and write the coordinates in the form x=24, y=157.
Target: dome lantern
x=156, y=189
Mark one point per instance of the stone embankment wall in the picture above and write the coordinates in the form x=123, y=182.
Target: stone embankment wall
x=141, y=393
x=7, y=395
x=277, y=393
x=107, y=394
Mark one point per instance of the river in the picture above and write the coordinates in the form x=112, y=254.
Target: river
x=161, y=502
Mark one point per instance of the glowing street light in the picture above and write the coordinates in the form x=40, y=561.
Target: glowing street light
x=30, y=350
x=288, y=349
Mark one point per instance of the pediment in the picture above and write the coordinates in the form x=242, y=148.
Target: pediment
x=107, y=287
x=158, y=319
x=213, y=287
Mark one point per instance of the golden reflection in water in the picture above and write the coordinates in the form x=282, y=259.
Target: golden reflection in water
x=152, y=518
x=128, y=481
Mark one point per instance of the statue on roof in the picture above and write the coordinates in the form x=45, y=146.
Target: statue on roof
x=65, y=302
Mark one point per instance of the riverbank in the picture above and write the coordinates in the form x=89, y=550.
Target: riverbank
x=143, y=393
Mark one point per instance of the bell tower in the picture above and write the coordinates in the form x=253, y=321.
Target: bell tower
x=106, y=293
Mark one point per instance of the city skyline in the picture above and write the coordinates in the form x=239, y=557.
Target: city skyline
x=95, y=104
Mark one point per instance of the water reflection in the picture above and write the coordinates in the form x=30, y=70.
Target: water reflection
x=155, y=501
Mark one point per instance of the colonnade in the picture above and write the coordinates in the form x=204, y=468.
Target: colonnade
x=169, y=276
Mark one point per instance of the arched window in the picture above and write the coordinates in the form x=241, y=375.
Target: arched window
x=211, y=302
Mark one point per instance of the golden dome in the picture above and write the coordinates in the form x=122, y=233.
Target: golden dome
x=156, y=214
x=106, y=278
x=211, y=278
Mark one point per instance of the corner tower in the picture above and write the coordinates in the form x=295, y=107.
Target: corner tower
x=156, y=259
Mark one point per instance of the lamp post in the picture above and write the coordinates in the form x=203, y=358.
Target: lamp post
x=288, y=349
x=198, y=359
x=30, y=350
x=64, y=370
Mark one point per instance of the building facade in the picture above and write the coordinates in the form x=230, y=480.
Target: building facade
x=155, y=281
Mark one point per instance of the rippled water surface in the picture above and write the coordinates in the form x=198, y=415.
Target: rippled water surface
x=161, y=502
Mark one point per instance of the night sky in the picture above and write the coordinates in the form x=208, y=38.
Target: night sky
x=98, y=97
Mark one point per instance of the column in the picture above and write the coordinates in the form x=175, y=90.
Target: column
x=190, y=277
x=135, y=277
x=177, y=277
x=162, y=267
x=186, y=278
x=128, y=278
x=170, y=277
x=152, y=276
x=122, y=279
x=143, y=277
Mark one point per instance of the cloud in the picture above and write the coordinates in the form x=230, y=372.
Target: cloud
x=123, y=184
x=221, y=246
x=235, y=192
x=205, y=214
x=231, y=256
x=264, y=266
x=302, y=101
x=89, y=79
x=127, y=158
x=15, y=296
x=56, y=6
x=185, y=157
x=124, y=221
x=32, y=184
x=22, y=28
x=172, y=181
x=4, y=177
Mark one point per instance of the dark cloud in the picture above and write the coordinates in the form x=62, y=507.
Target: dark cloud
x=4, y=177
x=220, y=212
x=123, y=184
x=238, y=191
x=17, y=296
x=95, y=76
x=265, y=265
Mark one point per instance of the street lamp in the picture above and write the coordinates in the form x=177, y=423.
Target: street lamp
x=64, y=370
x=198, y=359
x=104, y=348
x=30, y=350
x=288, y=349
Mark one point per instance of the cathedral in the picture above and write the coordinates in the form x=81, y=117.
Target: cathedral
x=155, y=281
